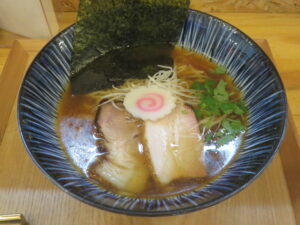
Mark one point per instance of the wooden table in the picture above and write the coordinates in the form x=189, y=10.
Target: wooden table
x=274, y=198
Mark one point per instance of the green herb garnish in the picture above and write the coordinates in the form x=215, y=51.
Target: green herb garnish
x=227, y=107
x=197, y=86
x=209, y=137
x=215, y=105
x=209, y=86
x=210, y=106
x=198, y=113
x=224, y=140
x=220, y=92
x=219, y=70
x=232, y=126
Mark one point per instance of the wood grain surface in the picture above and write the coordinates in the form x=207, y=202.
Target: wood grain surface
x=290, y=157
x=3, y=56
x=10, y=82
x=66, y=5
x=7, y=38
x=273, y=6
x=24, y=189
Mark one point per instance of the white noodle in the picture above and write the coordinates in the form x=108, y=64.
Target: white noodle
x=166, y=79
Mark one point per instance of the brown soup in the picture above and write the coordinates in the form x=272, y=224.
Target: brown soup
x=83, y=140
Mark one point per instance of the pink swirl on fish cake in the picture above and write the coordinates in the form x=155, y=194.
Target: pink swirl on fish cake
x=150, y=102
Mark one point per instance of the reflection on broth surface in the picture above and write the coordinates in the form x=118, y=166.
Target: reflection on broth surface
x=161, y=136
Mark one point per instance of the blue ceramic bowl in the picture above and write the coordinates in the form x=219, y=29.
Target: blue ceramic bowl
x=252, y=71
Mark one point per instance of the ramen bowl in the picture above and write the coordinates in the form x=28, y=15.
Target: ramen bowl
x=251, y=70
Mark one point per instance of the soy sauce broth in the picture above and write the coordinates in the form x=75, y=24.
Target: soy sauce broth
x=79, y=137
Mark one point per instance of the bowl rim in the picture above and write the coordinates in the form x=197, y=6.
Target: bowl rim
x=164, y=212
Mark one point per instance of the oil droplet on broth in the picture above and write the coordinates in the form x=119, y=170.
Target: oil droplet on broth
x=76, y=125
x=217, y=158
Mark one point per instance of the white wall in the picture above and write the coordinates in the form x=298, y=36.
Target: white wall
x=28, y=18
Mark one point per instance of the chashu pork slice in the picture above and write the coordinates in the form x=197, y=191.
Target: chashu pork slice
x=174, y=146
x=124, y=166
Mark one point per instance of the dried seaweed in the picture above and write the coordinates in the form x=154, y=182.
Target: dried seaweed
x=105, y=25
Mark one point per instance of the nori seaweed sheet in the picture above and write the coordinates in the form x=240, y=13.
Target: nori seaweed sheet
x=105, y=25
x=118, y=65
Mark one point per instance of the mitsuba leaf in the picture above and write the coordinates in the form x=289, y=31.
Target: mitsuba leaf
x=209, y=137
x=224, y=140
x=197, y=86
x=209, y=86
x=198, y=113
x=215, y=102
x=227, y=107
x=210, y=105
x=220, y=92
x=220, y=70
x=240, y=108
x=237, y=126
x=233, y=126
